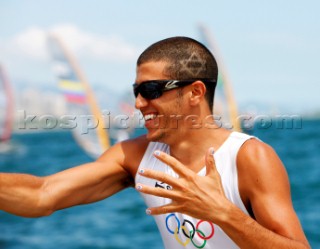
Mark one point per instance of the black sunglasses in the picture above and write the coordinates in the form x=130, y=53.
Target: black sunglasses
x=153, y=89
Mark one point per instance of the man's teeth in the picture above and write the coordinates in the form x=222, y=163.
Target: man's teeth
x=149, y=117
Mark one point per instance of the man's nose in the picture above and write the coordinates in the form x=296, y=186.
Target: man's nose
x=140, y=102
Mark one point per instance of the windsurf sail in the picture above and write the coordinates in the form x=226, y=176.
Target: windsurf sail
x=225, y=105
x=6, y=106
x=90, y=130
x=127, y=109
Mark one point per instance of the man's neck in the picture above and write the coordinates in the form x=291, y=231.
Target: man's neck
x=192, y=148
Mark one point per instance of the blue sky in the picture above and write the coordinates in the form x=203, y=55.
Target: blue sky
x=271, y=49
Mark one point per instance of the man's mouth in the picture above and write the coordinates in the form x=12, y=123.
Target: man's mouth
x=150, y=116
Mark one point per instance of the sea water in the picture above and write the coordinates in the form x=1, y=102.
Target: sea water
x=120, y=222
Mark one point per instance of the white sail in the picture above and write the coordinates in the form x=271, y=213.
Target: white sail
x=6, y=106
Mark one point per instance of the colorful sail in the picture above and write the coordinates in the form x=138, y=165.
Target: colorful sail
x=93, y=138
x=225, y=105
x=6, y=106
x=73, y=91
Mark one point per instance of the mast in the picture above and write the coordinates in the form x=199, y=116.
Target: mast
x=231, y=102
x=79, y=82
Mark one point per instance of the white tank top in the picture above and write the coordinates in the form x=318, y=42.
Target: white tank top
x=182, y=231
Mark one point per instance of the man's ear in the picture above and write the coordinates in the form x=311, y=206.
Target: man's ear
x=198, y=90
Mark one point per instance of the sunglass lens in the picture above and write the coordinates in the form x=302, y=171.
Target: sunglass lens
x=149, y=90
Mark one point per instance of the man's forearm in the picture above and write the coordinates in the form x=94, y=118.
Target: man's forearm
x=248, y=233
x=20, y=194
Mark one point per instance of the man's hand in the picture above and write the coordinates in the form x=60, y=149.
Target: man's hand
x=201, y=197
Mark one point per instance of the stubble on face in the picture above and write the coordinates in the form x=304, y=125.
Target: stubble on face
x=168, y=124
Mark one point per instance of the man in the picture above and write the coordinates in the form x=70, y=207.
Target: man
x=207, y=187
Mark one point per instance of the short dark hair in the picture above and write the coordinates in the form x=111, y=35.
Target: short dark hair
x=186, y=58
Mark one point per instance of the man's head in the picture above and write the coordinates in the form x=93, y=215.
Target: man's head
x=186, y=59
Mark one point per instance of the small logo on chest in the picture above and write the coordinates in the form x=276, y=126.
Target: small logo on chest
x=163, y=185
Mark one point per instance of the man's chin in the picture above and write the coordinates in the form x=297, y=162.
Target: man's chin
x=155, y=135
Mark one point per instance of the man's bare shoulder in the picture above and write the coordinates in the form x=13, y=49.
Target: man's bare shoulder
x=265, y=189
x=255, y=155
x=127, y=154
x=260, y=172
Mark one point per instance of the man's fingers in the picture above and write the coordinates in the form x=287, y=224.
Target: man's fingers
x=169, y=208
x=210, y=162
x=178, y=167
x=160, y=176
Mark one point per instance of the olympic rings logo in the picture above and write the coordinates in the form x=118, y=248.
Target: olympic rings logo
x=189, y=234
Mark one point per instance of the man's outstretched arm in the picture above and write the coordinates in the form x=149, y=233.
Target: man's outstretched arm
x=32, y=196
